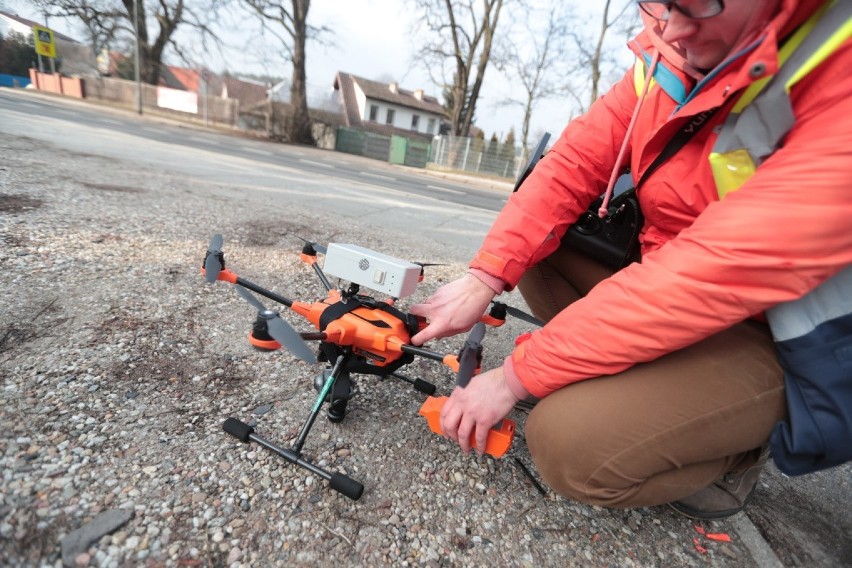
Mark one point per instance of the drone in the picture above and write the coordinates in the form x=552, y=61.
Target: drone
x=357, y=334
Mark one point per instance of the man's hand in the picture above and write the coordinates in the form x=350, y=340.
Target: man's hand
x=453, y=308
x=476, y=408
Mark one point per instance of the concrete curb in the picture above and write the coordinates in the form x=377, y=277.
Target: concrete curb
x=760, y=551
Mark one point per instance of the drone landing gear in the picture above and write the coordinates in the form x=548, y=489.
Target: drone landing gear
x=337, y=481
x=339, y=395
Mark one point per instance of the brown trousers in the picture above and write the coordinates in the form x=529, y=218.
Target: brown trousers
x=659, y=431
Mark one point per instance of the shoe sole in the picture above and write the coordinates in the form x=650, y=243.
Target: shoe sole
x=709, y=515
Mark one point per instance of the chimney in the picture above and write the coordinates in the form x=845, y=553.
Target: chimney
x=418, y=94
x=394, y=87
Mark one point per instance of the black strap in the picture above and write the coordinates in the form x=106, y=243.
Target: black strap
x=336, y=311
x=340, y=309
x=678, y=141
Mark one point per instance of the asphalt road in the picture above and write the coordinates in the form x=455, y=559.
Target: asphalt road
x=92, y=128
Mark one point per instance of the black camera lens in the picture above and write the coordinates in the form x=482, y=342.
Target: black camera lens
x=588, y=224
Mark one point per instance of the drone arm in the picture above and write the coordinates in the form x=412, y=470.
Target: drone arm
x=426, y=353
x=314, y=336
x=321, y=275
x=260, y=290
x=309, y=257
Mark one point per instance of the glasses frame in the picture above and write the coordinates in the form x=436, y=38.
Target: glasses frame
x=674, y=4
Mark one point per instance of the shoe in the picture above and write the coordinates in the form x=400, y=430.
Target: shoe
x=726, y=497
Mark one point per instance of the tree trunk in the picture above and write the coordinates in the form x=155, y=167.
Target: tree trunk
x=596, y=59
x=299, y=125
x=489, y=25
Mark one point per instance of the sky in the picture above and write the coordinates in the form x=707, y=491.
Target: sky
x=375, y=39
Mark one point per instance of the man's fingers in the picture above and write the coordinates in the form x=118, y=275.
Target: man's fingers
x=464, y=432
x=450, y=419
x=419, y=309
x=481, y=438
x=427, y=334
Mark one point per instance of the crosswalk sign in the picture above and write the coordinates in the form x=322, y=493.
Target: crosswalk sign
x=44, y=43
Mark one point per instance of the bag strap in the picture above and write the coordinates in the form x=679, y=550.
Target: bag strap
x=678, y=141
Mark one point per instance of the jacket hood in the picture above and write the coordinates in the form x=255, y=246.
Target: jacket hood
x=790, y=15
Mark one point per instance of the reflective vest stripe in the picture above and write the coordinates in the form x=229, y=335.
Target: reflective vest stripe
x=763, y=115
x=831, y=300
x=843, y=33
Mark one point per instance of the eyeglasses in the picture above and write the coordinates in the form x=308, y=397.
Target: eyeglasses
x=693, y=9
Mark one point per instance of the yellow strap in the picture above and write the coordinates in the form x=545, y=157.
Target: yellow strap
x=783, y=55
x=639, y=77
x=841, y=35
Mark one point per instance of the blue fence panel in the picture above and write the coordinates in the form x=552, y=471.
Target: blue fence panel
x=13, y=81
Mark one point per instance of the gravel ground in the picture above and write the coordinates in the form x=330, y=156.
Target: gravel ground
x=119, y=366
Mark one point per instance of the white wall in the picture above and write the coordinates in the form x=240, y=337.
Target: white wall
x=402, y=115
x=7, y=25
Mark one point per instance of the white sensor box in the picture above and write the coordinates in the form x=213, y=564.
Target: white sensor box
x=374, y=270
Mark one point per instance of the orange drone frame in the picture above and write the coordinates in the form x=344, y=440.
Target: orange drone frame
x=357, y=334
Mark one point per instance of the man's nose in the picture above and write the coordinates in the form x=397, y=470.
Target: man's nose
x=678, y=27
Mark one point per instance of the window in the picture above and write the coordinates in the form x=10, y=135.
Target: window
x=389, y=119
x=374, y=113
x=415, y=121
x=430, y=126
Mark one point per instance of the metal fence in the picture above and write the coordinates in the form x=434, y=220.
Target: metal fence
x=394, y=149
x=477, y=155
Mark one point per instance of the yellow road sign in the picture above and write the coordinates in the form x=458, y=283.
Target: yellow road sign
x=44, y=43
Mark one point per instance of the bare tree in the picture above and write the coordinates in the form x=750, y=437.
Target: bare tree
x=461, y=32
x=290, y=26
x=107, y=19
x=538, y=69
x=592, y=52
x=102, y=19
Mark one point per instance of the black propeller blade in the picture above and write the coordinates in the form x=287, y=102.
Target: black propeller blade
x=279, y=329
x=499, y=311
x=425, y=264
x=316, y=246
x=214, y=261
x=470, y=355
x=536, y=155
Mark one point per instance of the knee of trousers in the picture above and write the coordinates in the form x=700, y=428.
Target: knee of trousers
x=570, y=459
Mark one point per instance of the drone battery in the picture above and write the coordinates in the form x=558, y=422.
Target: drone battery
x=374, y=270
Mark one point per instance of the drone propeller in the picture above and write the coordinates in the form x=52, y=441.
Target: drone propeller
x=423, y=266
x=499, y=307
x=470, y=355
x=214, y=260
x=499, y=438
x=316, y=246
x=279, y=329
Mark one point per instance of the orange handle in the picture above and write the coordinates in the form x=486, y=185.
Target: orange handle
x=499, y=437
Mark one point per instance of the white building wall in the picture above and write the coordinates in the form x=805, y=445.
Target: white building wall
x=363, y=108
x=8, y=25
x=402, y=115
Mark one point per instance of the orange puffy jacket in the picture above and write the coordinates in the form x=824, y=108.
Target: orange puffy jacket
x=706, y=264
